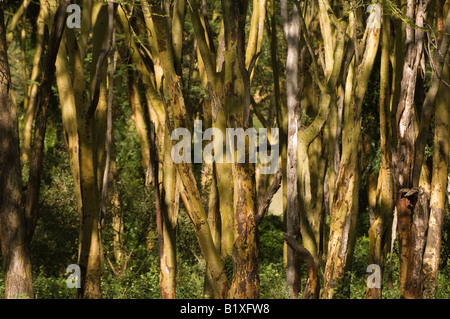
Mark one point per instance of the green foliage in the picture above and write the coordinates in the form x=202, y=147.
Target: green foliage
x=271, y=240
x=190, y=280
x=136, y=284
x=272, y=273
x=52, y=287
x=272, y=278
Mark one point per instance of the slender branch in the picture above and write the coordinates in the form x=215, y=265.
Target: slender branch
x=253, y=62
x=311, y=290
x=153, y=168
x=264, y=206
x=112, y=57
x=355, y=31
x=112, y=6
x=432, y=64
x=115, y=272
x=259, y=115
x=308, y=44
x=300, y=250
x=205, y=51
x=14, y=22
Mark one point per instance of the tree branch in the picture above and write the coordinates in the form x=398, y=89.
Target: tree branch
x=109, y=128
x=112, y=6
x=311, y=291
x=259, y=115
x=428, y=104
x=264, y=206
x=205, y=51
x=308, y=44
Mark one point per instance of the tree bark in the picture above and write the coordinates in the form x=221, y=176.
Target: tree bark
x=438, y=187
x=15, y=251
x=379, y=232
x=43, y=101
x=280, y=108
x=168, y=261
x=192, y=194
x=310, y=176
x=311, y=289
x=291, y=26
x=85, y=132
x=33, y=90
x=345, y=207
x=245, y=282
x=412, y=193
x=139, y=119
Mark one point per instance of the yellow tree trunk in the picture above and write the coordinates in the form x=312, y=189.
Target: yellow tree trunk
x=379, y=232
x=33, y=90
x=438, y=188
x=195, y=208
x=85, y=136
x=345, y=207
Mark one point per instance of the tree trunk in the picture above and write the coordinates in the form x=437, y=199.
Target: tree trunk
x=438, y=187
x=139, y=119
x=42, y=103
x=245, y=283
x=15, y=251
x=311, y=291
x=191, y=194
x=280, y=108
x=228, y=84
x=412, y=193
x=168, y=261
x=405, y=146
x=291, y=26
x=85, y=125
x=33, y=90
x=310, y=193
x=211, y=198
x=345, y=207
x=379, y=232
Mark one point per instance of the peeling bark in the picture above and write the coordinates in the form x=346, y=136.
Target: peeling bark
x=345, y=207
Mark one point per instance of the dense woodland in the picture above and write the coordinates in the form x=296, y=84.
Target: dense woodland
x=90, y=95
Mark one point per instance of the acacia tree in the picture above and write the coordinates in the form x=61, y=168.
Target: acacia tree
x=291, y=27
x=228, y=83
x=190, y=195
x=440, y=165
x=412, y=197
x=344, y=211
x=330, y=54
x=84, y=122
x=379, y=236
x=152, y=77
